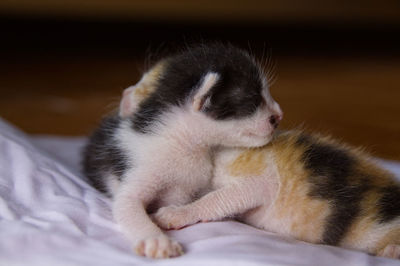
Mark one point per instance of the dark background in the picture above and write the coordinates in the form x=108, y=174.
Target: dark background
x=64, y=64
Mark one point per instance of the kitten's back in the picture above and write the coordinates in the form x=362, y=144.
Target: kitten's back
x=343, y=197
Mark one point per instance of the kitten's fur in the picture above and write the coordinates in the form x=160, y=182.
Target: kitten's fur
x=304, y=186
x=157, y=150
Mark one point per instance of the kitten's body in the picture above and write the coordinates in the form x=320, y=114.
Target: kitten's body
x=157, y=150
x=308, y=187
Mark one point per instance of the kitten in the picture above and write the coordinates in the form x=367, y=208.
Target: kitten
x=157, y=150
x=305, y=186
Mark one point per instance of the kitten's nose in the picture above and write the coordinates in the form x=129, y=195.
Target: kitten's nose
x=274, y=120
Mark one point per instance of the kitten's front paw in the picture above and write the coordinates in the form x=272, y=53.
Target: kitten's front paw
x=160, y=247
x=173, y=217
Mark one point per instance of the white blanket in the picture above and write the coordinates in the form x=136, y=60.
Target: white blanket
x=49, y=215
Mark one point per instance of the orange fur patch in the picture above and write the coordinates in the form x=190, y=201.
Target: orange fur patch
x=143, y=92
x=149, y=83
x=251, y=162
x=305, y=216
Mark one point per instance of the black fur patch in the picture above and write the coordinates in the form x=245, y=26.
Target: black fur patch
x=102, y=154
x=237, y=93
x=331, y=170
x=389, y=203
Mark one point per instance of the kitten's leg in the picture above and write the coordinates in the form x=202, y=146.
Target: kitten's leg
x=390, y=251
x=227, y=201
x=129, y=210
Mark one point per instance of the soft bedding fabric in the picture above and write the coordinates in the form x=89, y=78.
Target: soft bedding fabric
x=49, y=215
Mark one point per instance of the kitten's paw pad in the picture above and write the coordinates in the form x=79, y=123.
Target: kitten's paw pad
x=173, y=217
x=158, y=248
x=390, y=251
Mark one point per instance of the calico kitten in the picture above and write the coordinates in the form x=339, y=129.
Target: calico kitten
x=304, y=186
x=157, y=150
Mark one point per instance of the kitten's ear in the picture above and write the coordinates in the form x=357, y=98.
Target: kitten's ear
x=201, y=98
x=127, y=105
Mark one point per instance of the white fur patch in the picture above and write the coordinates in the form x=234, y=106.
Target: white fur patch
x=209, y=80
x=127, y=103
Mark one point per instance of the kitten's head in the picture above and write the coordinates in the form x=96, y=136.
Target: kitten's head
x=222, y=90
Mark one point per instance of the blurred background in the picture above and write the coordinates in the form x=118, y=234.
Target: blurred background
x=64, y=64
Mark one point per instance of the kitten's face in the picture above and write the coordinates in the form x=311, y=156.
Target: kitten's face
x=236, y=100
x=254, y=131
x=244, y=117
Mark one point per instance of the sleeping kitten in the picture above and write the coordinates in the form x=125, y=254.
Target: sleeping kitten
x=304, y=186
x=157, y=150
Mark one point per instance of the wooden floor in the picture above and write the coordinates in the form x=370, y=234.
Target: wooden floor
x=355, y=99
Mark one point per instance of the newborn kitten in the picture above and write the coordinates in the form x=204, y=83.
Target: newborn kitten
x=157, y=150
x=305, y=186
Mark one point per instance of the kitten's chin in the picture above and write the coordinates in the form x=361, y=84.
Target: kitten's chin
x=260, y=143
x=254, y=141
